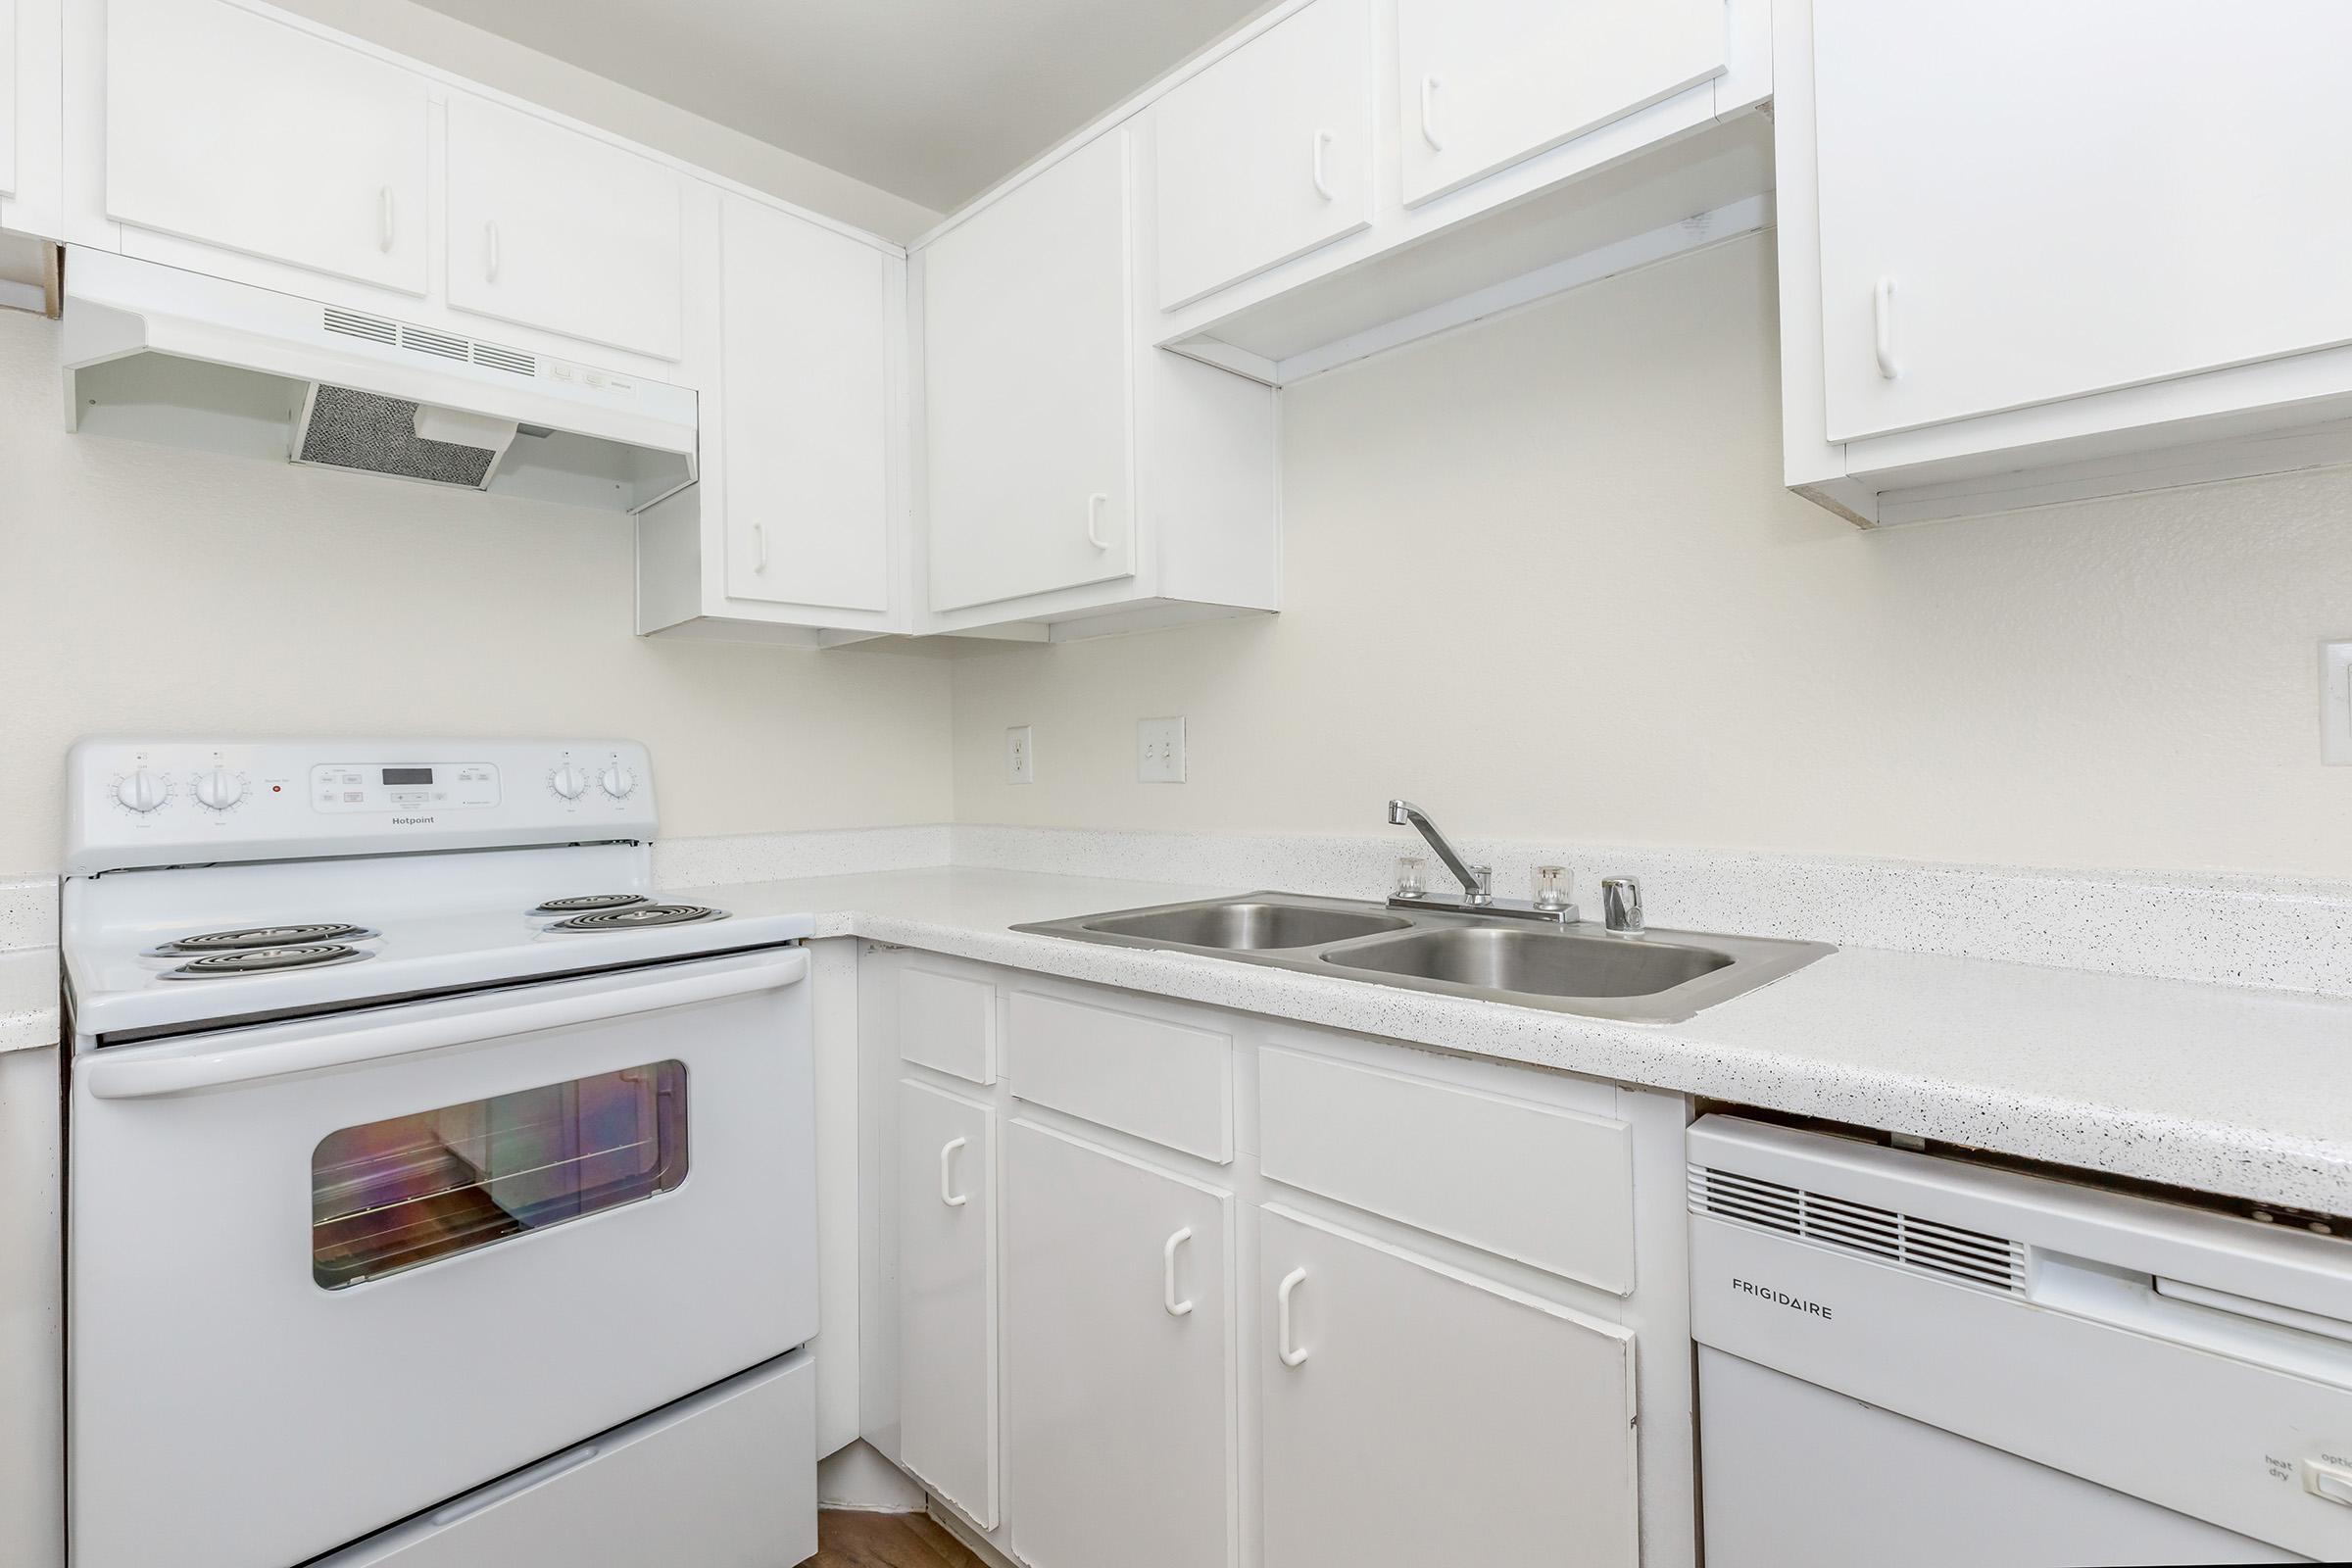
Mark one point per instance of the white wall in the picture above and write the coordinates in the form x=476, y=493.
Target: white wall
x=1541, y=577
x=495, y=61
x=153, y=589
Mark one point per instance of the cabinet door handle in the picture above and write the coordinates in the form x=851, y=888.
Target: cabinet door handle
x=1323, y=141
x=1883, y=327
x=1281, y=1319
x=1094, y=518
x=490, y=250
x=1429, y=118
x=760, y=542
x=946, y=1166
x=1167, y=1275
x=383, y=219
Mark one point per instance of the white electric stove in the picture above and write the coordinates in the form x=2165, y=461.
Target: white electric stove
x=436, y=1193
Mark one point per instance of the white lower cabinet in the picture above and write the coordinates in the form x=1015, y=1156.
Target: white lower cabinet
x=948, y=1296
x=1411, y=1414
x=1391, y=1319
x=1120, y=1413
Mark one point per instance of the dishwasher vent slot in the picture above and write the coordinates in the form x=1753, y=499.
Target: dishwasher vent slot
x=1923, y=1246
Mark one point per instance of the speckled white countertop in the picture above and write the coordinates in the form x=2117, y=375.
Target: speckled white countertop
x=2215, y=1088
x=28, y=991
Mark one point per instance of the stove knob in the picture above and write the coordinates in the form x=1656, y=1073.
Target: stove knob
x=618, y=781
x=142, y=791
x=567, y=781
x=219, y=789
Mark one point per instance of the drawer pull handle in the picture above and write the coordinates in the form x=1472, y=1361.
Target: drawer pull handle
x=1883, y=327
x=1321, y=177
x=1291, y=1355
x=1167, y=1275
x=1429, y=118
x=1094, y=516
x=490, y=251
x=947, y=1167
x=383, y=220
x=760, y=539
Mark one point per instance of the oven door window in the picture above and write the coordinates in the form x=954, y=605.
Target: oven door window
x=391, y=1195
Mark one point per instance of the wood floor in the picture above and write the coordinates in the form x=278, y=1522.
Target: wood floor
x=885, y=1541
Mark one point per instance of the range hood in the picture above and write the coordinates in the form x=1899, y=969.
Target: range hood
x=157, y=354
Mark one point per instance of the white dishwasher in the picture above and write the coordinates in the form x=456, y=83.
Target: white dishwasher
x=1919, y=1358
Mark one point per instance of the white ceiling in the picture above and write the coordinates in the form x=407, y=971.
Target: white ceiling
x=932, y=100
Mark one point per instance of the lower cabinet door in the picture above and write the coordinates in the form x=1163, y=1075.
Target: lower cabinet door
x=1412, y=1415
x=1120, y=1372
x=948, y=1296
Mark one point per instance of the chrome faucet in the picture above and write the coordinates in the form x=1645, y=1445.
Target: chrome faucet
x=1478, y=881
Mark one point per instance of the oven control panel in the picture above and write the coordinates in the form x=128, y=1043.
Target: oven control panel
x=403, y=786
x=141, y=802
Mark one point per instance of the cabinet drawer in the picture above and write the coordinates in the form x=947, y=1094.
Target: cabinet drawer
x=1168, y=1082
x=947, y=1023
x=1525, y=1181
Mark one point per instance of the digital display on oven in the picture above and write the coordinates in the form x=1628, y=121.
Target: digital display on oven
x=408, y=775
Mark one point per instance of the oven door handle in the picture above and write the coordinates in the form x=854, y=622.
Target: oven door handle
x=131, y=1077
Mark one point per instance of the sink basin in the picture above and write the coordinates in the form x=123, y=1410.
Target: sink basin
x=1663, y=977
x=1248, y=927
x=1536, y=962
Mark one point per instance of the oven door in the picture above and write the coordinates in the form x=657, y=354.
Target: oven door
x=325, y=1274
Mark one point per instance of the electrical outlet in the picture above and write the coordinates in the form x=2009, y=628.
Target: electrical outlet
x=1159, y=751
x=2335, y=704
x=1020, y=759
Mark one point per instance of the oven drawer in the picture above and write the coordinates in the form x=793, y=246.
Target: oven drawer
x=726, y=1479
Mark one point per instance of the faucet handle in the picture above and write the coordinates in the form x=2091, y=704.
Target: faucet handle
x=1483, y=891
x=1621, y=905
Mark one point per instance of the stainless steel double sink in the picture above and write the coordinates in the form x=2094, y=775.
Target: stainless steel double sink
x=1661, y=977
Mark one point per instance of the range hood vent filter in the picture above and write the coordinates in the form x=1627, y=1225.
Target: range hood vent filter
x=343, y=429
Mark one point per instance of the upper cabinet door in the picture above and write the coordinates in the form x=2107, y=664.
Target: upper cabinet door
x=805, y=408
x=556, y=229
x=1484, y=83
x=1266, y=154
x=1028, y=390
x=2140, y=191
x=236, y=130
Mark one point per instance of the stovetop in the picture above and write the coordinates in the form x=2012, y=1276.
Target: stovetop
x=150, y=953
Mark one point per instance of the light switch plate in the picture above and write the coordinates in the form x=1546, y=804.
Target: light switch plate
x=1159, y=751
x=2335, y=704
x=1021, y=757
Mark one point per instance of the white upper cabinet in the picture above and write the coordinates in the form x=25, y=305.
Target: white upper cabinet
x=1484, y=83
x=1028, y=386
x=2022, y=202
x=805, y=408
x=1266, y=154
x=231, y=128
x=31, y=130
x=556, y=229
x=1119, y=1360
